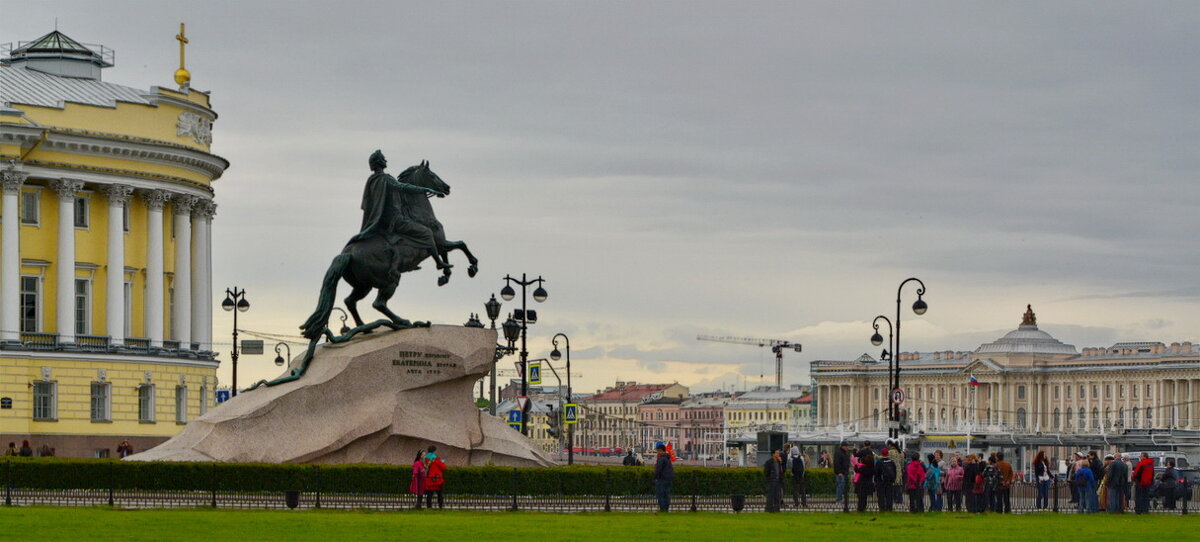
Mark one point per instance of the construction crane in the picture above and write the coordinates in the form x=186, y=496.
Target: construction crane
x=777, y=346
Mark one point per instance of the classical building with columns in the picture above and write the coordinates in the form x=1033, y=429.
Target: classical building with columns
x=105, y=252
x=1028, y=382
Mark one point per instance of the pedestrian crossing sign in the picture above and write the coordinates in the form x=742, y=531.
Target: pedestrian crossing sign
x=535, y=372
x=570, y=413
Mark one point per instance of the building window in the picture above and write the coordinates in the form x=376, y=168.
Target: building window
x=1121, y=391
x=171, y=314
x=1134, y=417
x=146, y=403
x=1082, y=418
x=1108, y=391
x=1095, y=391
x=101, y=401
x=128, y=325
x=30, y=295
x=125, y=217
x=1021, y=418
x=81, y=212
x=1133, y=388
x=45, y=401
x=1020, y=392
x=83, y=320
x=1149, y=418
x=1096, y=421
x=1068, y=420
x=180, y=404
x=1057, y=416
x=30, y=210
x=1068, y=388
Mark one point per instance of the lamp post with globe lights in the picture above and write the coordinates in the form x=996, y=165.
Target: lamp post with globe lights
x=235, y=298
x=556, y=355
x=524, y=317
x=919, y=307
x=877, y=340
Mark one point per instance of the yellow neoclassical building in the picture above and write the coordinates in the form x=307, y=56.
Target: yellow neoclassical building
x=105, y=252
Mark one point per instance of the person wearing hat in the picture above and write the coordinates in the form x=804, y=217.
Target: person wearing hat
x=1116, y=479
x=1074, y=460
x=664, y=474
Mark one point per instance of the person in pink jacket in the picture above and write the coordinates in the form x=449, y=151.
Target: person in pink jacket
x=914, y=481
x=417, y=485
x=954, y=484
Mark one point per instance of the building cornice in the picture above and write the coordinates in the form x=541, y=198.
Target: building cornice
x=90, y=143
x=105, y=176
x=109, y=358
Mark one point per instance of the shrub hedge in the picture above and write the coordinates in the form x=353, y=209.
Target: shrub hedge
x=63, y=473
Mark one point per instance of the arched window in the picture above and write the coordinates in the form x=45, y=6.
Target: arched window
x=1096, y=422
x=954, y=418
x=875, y=418
x=1133, y=422
x=1108, y=419
x=1082, y=419
x=1021, y=418
x=942, y=418
x=1121, y=416
x=932, y=418
x=1067, y=422
x=1149, y=418
x=1057, y=415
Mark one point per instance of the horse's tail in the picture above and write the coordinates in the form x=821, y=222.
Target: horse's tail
x=319, y=321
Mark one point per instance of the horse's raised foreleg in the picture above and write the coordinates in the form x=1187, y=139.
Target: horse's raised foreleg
x=447, y=246
x=352, y=300
x=380, y=305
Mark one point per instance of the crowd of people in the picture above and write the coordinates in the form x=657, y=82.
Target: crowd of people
x=1108, y=485
x=27, y=451
x=428, y=477
x=974, y=483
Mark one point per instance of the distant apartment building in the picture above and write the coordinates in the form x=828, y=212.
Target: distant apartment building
x=702, y=418
x=611, y=418
x=763, y=408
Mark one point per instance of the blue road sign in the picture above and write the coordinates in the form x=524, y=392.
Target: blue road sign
x=570, y=413
x=222, y=396
x=535, y=372
x=514, y=418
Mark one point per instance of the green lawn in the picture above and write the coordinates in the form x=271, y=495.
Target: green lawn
x=42, y=524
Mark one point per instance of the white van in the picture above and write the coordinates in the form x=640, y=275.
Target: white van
x=1160, y=458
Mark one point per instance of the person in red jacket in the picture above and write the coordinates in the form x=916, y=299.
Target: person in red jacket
x=1143, y=477
x=434, y=480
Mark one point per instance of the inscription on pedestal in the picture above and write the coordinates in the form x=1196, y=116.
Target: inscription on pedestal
x=423, y=362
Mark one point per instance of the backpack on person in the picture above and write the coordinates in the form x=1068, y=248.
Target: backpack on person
x=991, y=477
x=887, y=470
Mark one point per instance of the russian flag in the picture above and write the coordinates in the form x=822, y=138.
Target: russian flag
x=974, y=381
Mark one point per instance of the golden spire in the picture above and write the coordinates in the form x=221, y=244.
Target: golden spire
x=182, y=77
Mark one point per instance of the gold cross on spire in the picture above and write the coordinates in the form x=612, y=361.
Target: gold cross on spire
x=182, y=77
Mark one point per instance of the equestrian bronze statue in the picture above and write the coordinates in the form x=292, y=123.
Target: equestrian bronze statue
x=399, y=231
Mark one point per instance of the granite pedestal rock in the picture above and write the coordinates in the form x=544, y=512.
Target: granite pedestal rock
x=375, y=399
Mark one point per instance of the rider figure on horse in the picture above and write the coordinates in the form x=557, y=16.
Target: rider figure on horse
x=384, y=213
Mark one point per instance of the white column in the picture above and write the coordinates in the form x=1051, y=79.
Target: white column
x=66, y=189
x=155, y=199
x=118, y=195
x=202, y=300
x=10, y=256
x=183, y=270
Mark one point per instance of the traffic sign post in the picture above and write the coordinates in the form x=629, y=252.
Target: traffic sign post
x=570, y=413
x=222, y=396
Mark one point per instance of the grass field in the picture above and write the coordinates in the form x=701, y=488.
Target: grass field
x=42, y=524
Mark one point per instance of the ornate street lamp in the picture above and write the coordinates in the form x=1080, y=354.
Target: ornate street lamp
x=235, y=298
x=279, y=361
x=919, y=307
x=556, y=355
x=886, y=354
x=526, y=317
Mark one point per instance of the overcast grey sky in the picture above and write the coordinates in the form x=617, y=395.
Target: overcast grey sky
x=673, y=168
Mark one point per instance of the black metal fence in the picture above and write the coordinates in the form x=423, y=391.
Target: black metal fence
x=1022, y=499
